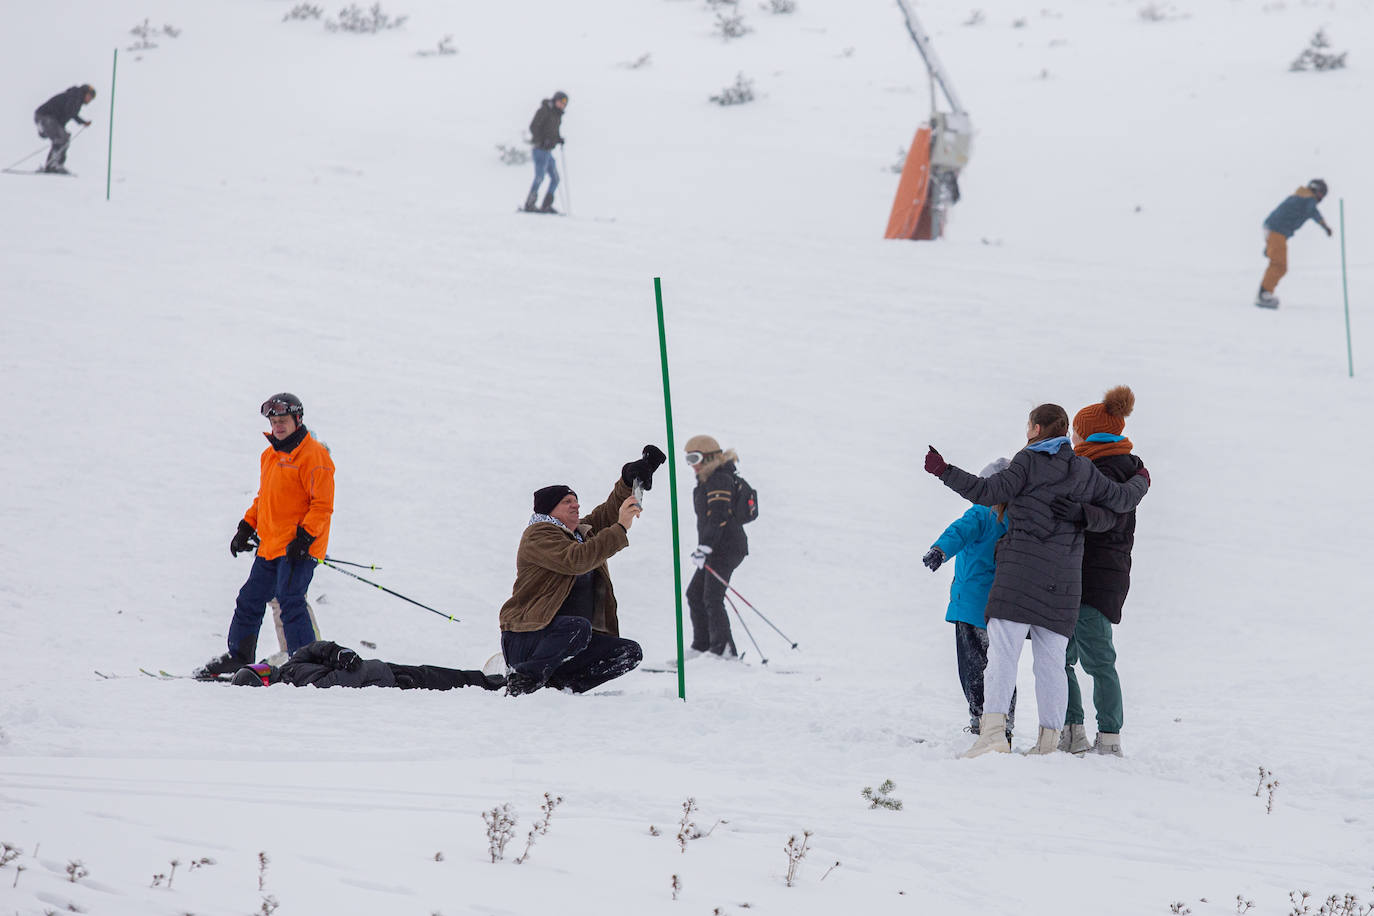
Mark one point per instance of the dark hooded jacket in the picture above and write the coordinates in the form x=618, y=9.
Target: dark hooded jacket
x=312, y=665
x=1040, y=560
x=64, y=106
x=548, y=120
x=1107, y=545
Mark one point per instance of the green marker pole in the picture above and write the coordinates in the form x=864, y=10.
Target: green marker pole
x=1345, y=291
x=109, y=154
x=672, y=488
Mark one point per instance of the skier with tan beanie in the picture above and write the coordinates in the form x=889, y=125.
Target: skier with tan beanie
x=721, y=543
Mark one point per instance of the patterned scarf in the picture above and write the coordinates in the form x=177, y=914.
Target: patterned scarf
x=1103, y=445
x=539, y=518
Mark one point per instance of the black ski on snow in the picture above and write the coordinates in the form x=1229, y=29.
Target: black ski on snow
x=36, y=172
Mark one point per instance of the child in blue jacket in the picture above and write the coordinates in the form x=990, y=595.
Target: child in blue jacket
x=972, y=538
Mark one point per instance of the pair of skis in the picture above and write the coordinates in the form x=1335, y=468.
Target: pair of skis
x=161, y=675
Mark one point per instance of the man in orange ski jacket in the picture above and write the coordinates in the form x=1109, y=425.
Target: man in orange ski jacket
x=288, y=523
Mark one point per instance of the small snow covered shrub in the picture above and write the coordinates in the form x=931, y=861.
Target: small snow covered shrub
x=145, y=31
x=513, y=155
x=443, y=49
x=1316, y=56
x=780, y=7
x=638, y=63
x=76, y=870
x=731, y=25
x=738, y=94
x=352, y=18
x=304, y=11
x=9, y=853
x=975, y=18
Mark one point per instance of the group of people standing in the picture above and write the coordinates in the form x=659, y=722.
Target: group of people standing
x=1045, y=555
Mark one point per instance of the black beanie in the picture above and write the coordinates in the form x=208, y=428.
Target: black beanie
x=546, y=498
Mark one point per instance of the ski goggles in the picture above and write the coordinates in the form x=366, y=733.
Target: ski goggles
x=276, y=407
x=694, y=458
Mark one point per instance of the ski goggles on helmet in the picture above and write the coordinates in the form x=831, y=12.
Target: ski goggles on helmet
x=694, y=458
x=277, y=407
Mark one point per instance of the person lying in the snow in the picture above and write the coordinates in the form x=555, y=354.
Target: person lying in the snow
x=327, y=664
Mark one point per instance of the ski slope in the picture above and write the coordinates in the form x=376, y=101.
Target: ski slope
x=324, y=213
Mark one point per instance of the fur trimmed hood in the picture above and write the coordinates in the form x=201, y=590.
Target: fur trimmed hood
x=726, y=456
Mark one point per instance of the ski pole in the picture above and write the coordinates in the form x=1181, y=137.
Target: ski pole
x=567, y=185
x=25, y=159
x=726, y=582
x=762, y=658
x=327, y=562
x=347, y=563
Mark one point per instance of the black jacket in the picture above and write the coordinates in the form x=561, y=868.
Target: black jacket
x=64, y=106
x=545, y=126
x=714, y=502
x=1107, y=547
x=1040, y=559
x=312, y=665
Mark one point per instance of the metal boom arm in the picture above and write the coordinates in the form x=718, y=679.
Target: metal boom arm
x=937, y=70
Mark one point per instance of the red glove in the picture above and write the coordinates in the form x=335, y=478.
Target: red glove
x=934, y=463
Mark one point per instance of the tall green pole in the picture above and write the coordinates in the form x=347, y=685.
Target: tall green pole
x=109, y=153
x=1345, y=291
x=672, y=488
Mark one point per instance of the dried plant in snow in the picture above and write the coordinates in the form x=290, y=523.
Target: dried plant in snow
x=779, y=7
x=263, y=862
x=443, y=49
x=500, y=829
x=541, y=826
x=1267, y=782
x=1242, y=905
x=9, y=853
x=686, y=828
x=269, y=906
x=795, y=853
x=830, y=869
x=76, y=870
x=731, y=25
x=677, y=886
x=304, y=11
x=359, y=21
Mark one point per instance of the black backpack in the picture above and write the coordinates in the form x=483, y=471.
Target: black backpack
x=745, y=508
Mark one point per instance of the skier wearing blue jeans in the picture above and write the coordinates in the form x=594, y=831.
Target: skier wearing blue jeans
x=544, y=129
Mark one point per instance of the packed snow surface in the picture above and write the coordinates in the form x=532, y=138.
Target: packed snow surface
x=326, y=213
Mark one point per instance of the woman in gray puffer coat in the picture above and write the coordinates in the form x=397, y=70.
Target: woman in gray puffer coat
x=1038, y=584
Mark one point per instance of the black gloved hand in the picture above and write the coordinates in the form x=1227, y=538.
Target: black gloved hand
x=244, y=539
x=1068, y=510
x=935, y=463
x=299, y=548
x=933, y=558
x=643, y=469
x=342, y=659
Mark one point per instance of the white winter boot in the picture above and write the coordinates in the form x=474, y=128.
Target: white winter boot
x=1108, y=744
x=1267, y=300
x=992, y=736
x=1047, y=743
x=1074, y=740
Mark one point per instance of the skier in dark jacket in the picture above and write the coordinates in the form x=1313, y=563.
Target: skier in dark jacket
x=52, y=117
x=1279, y=226
x=721, y=542
x=544, y=129
x=327, y=664
x=1038, y=582
x=1097, y=436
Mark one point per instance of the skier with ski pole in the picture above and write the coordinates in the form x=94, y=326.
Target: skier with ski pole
x=51, y=118
x=287, y=527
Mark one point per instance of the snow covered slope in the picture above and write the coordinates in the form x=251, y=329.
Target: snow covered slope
x=293, y=209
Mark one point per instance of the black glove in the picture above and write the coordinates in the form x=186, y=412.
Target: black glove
x=933, y=558
x=299, y=548
x=560, y=143
x=935, y=464
x=643, y=469
x=342, y=659
x=244, y=539
x=1068, y=510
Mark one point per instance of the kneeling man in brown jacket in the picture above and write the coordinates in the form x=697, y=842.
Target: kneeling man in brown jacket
x=559, y=628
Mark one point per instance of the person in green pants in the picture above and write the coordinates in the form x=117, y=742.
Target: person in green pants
x=1097, y=435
